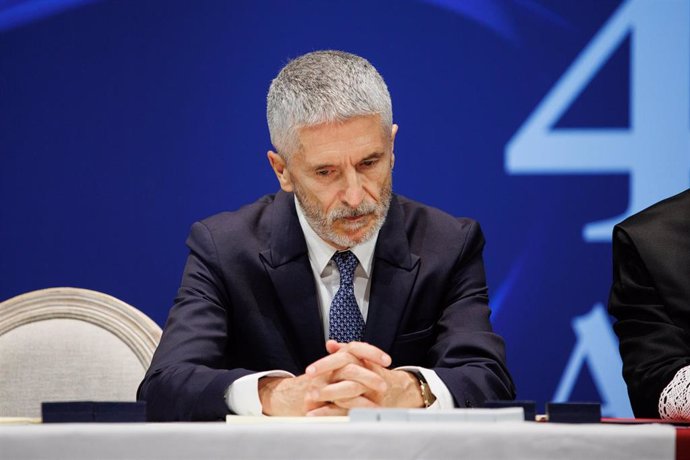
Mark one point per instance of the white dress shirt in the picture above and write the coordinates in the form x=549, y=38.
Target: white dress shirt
x=242, y=395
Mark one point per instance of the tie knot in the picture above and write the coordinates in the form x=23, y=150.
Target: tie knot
x=346, y=262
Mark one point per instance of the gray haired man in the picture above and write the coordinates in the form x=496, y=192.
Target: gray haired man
x=333, y=293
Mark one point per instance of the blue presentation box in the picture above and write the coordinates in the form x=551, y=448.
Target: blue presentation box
x=93, y=411
x=573, y=412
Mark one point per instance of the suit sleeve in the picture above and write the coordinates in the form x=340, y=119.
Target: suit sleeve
x=653, y=348
x=189, y=374
x=468, y=356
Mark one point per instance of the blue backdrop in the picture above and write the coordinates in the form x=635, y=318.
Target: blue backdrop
x=122, y=122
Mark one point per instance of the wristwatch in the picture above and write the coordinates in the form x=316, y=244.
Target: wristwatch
x=427, y=396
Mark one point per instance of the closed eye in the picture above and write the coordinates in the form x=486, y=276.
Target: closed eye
x=369, y=162
x=323, y=172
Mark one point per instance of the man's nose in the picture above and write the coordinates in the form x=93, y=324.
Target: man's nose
x=354, y=192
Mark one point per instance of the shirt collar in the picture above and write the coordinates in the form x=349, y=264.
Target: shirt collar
x=320, y=252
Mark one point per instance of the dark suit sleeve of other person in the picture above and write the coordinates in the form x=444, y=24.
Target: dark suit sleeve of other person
x=247, y=303
x=650, y=298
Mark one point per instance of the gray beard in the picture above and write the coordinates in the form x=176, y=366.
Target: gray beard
x=322, y=223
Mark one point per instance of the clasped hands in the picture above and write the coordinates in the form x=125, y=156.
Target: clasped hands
x=352, y=375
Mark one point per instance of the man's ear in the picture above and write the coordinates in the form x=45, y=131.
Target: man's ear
x=280, y=168
x=394, y=131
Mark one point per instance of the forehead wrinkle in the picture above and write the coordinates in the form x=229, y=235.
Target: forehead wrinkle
x=354, y=145
x=352, y=158
x=342, y=142
x=329, y=165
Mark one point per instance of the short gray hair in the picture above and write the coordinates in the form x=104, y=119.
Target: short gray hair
x=323, y=87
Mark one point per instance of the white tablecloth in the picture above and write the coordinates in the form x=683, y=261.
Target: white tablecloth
x=352, y=441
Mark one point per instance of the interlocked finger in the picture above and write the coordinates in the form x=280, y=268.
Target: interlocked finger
x=336, y=391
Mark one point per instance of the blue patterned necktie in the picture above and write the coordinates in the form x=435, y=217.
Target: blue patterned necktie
x=345, y=323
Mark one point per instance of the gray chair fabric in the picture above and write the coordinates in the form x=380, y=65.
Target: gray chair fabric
x=70, y=344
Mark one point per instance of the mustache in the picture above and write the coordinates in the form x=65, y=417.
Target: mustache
x=362, y=210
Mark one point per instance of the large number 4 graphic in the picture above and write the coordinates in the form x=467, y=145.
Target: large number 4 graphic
x=655, y=149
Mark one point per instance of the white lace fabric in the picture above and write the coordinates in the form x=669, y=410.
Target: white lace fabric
x=674, y=402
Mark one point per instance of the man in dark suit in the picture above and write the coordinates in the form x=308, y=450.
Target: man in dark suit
x=397, y=288
x=650, y=298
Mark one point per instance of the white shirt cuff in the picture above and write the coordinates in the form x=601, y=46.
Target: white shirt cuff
x=242, y=396
x=674, y=401
x=444, y=400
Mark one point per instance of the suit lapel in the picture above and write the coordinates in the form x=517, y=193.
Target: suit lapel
x=395, y=272
x=287, y=264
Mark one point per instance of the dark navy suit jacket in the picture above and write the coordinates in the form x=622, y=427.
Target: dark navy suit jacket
x=650, y=298
x=247, y=303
